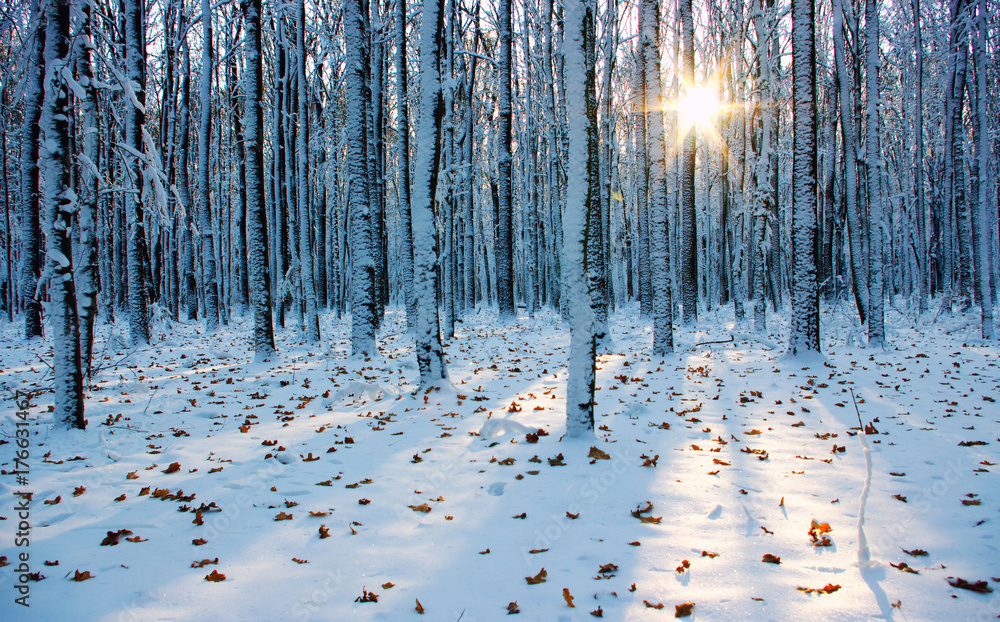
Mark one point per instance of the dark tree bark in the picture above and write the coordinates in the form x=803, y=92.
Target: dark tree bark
x=31, y=229
x=259, y=262
x=804, y=334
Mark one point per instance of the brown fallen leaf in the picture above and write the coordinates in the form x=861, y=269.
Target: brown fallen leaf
x=205, y=562
x=683, y=610
x=512, y=608
x=684, y=565
x=597, y=613
x=81, y=576
x=915, y=552
x=215, y=576
x=173, y=468
x=829, y=588
x=568, y=597
x=282, y=516
x=973, y=586
x=79, y=490
x=311, y=513
x=199, y=541
x=53, y=501
x=112, y=538
x=652, y=606
x=640, y=512
x=423, y=507
x=132, y=475
x=366, y=597
x=572, y=516
x=325, y=533
x=904, y=567
x=120, y=497
x=419, y=608
x=300, y=561
x=532, y=551
x=771, y=559
x=388, y=585
x=709, y=555
x=598, y=454
x=538, y=578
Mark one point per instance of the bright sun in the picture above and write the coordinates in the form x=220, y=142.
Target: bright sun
x=698, y=108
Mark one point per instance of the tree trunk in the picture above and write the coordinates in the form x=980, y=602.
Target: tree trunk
x=663, y=336
x=403, y=166
x=430, y=357
x=689, y=227
x=504, y=227
x=135, y=119
x=60, y=204
x=311, y=323
x=873, y=157
x=804, y=333
x=31, y=230
x=259, y=262
x=359, y=211
x=984, y=241
x=210, y=282
x=88, y=275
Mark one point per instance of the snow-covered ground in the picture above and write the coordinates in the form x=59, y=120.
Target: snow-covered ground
x=449, y=498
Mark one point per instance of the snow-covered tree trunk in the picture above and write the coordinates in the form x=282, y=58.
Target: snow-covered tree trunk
x=360, y=225
x=311, y=323
x=859, y=267
x=205, y=230
x=763, y=192
x=190, y=285
x=257, y=238
x=468, y=196
x=579, y=18
x=608, y=119
x=430, y=357
x=804, y=330
x=403, y=165
x=504, y=227
x=923, y=256
x=135, y=119
x=595, y=233
x=376, y=185
x=87, y=274
x=954, y=164
x=873, y=157
x=31, y=231
x=641, y=172
x=689, y=227
x=7, y=289
x=239, y=258
x=659, y=251
x=984, y=228
x=60, y=202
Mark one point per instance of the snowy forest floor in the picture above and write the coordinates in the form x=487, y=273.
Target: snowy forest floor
x=333, y=476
